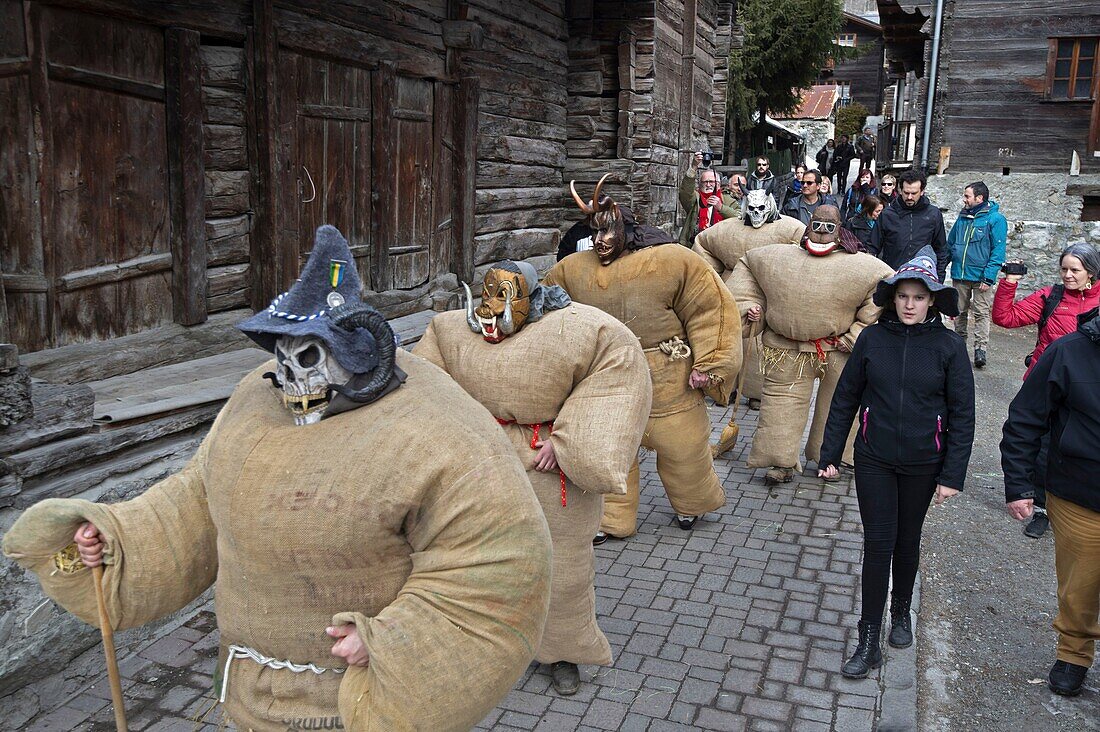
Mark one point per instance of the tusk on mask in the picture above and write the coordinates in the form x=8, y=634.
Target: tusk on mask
x=471, y=320
x=596, y=193
x=507, y=325
x=584, y=207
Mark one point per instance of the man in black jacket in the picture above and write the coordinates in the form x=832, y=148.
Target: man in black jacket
x=908, y=224
x=1062, y=394
x=842, y=162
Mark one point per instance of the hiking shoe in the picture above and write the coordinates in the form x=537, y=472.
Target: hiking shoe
x=775, y=476
x=1038, y=525
x=687, y=523
x=979, y=358
x=1066, y=679
x=599, y=538
x=901, y=623
x=565, y=677
x=868, y=654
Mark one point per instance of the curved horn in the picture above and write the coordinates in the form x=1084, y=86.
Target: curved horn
x=361, y=315
x=596, y=193
x=585, y=208
x=471, y=319
x=507, y=324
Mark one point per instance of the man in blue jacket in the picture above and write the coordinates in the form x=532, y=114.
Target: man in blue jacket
x=977, y=244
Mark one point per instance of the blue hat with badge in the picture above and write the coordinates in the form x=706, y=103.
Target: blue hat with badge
x=328, y=281
x=921, y=267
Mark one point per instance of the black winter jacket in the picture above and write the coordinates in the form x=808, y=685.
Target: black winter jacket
x=902, y=232
x=1062, y=394
x=861, y=227
x=913, y=391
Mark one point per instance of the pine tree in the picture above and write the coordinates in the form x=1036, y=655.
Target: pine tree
x=786, y=44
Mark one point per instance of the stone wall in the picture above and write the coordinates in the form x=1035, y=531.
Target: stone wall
x=1042, y=219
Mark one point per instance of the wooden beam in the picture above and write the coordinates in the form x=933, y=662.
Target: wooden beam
x=384, y=175
x=262, y=163
x=136, y=267
x=42, y=163
x=110, y=82
x=687, y=73
x=183, y=117
x=466, y=118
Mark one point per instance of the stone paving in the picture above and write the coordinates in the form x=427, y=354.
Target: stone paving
x=741, y=624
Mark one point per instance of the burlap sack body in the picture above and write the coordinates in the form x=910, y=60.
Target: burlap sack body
x=804, y=297
x=584, y=371
x=684, y=464
x=660, y=293
x=722, y=246
x=410, y=517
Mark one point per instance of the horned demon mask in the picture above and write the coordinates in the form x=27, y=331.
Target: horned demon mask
x=758, y=208
x=604, y=216
x=823, y=234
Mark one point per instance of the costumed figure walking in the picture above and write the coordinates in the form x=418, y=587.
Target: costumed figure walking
x=687, y=324
x=380, y=559
x=809, y=304
x=570, y=386
x=722, y=246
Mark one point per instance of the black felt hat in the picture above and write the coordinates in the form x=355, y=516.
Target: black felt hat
x=921, y=267
x=328, y=280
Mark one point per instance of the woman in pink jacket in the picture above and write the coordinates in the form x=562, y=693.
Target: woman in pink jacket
x=1076, y=294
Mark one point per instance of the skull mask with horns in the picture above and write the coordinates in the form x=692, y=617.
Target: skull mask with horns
x=758, y=208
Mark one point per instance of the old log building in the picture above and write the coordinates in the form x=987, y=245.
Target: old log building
x=164, y=165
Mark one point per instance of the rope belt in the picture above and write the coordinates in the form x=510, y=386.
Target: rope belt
x=534, y=441
x=236, y=652
x=829, y=340
x=676, y=348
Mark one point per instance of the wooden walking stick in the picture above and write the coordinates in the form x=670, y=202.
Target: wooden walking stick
x=109, y=650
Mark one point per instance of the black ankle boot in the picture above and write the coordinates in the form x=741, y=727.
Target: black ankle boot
x=901, y=623
x=868, y=654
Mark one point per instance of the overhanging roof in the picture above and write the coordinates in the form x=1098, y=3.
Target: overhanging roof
x=903, y=33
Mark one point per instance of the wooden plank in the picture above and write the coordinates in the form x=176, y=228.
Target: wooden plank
x=223, y=66
x=43, y=163
x=116, y=272
x=467, y=99
x=171, y=343
x=332, y=111
x=224, y=106
x=385, y=154
x=183, y=87
x=263, y=165
x=59, y=411
x=442, y=243
x=224, y=147
x=109, y=82
x=14, y=67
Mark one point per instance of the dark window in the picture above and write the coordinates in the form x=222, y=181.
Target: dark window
x=1071, y=68
x=1090, y=209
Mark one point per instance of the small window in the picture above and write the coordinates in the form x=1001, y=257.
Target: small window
x=1071, y=68
x=1090, y=208
x=846, y=39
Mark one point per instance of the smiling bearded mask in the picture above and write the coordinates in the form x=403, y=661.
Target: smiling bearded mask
x=823, y=234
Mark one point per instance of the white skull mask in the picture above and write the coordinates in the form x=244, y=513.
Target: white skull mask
x=306, y=371
x=758, y=208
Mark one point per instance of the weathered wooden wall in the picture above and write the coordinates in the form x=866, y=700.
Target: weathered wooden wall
x=992, y=110
x=865, y=73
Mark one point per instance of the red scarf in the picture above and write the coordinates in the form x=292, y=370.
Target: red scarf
x=715, y=215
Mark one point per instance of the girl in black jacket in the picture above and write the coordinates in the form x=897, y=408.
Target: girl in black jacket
x=910, y=383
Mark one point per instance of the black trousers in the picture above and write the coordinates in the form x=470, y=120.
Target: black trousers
x=893, y=501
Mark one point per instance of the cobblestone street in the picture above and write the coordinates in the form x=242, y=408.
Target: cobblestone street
x=740, y=624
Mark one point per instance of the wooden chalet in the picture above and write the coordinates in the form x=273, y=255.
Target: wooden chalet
x=165, y=164
x=1018, y=87
x=860, y=79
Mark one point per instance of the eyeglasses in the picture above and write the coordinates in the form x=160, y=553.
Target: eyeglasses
x=762, y=165
x=887, y=185
x=707, y=182
x=809, y=183
x=823, y=227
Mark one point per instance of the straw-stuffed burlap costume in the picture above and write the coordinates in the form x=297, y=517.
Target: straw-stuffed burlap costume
x=407, y=515
x=578, y=378
x=686, y=320
x=723, y=245
x=815, y=300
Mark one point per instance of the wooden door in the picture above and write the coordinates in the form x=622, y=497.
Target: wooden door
x=86, y=234
x=327, y=113
x=108, y=226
